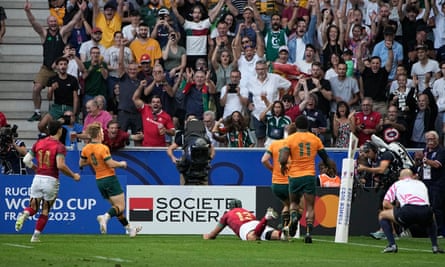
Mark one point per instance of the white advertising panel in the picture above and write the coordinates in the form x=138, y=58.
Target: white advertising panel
x=183, y=209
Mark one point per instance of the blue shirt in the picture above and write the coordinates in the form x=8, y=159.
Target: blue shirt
x=381, y=51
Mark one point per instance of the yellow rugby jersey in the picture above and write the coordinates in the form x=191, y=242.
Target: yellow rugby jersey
x=274, y=151
x=97, y=154
x=303, y=148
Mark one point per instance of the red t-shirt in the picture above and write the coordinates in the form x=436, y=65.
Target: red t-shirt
x=46, y=151
x=369, y=121
x=235, y=218
x=151, y=123
x=3, y=120
x=120, y=141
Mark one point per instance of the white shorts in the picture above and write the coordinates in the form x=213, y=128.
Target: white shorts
x=45, y=187
x=249, y=227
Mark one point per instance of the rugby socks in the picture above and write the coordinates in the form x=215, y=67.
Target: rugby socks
x=387, y=229
x=285, y=218
x=41, y=222
x=123, y=220
x=113, y=211
x=29, y=212
x=294, y=214
x=309, y=228
x=260, y=227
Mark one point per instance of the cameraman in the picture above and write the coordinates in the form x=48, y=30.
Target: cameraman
x=12, y=151
x=382, y=171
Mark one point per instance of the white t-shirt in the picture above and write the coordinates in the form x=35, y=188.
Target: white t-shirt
x=196, y=37
x=233, y=101
x=85, y=47
x=432, y=66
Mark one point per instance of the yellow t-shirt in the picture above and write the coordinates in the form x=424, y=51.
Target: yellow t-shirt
x=97, y=154
x=274, y=151
x=108, y=28
x=150, y=47
x=303, y=148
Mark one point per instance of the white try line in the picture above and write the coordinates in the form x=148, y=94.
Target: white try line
x=375, y=246
x=111, y=259
x=17, y=245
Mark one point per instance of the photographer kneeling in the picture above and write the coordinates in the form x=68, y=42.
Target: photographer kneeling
x=12, y=151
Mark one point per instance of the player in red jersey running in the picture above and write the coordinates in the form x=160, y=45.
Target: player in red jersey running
x=245, y=225
x=50, y=154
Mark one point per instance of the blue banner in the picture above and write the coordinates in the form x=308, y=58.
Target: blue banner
x=74, y=211
x=229, y=167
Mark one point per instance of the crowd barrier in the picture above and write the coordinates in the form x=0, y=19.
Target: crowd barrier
x=157, y=201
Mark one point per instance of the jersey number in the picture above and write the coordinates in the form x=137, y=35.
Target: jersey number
x=244, y=216
x=43, y=159
x=93, y=159
x=304, y=147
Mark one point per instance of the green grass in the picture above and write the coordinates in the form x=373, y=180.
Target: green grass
x=192, y=250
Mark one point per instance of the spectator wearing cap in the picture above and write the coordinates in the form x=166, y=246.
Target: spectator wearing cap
x=305, y=65
x=425, y=71
x=275, y=37
x=131, y=30
x=283, y=67
x=85, y=47
x=304, y=34
x=150, y=11
x=198, y=29
x=251, y=24
x=145, y=72
x=144, y=44
x=382, y=48
x=109, y=21
x=163, y=27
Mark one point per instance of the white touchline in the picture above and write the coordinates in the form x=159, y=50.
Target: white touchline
x=374, y=246
x=111, y=259
x=17, y=245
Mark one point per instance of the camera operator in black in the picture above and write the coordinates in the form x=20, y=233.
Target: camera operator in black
x=193, y=165
x=12, y=151
x=385, y=169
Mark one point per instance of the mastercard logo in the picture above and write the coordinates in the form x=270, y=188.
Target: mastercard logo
x=326, y=209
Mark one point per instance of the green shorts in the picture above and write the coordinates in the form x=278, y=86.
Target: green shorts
x=301, y=185
x=109, y=187
x=281, y=191
x=56, y=111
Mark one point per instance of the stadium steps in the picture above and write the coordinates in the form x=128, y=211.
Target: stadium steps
x=20, y=59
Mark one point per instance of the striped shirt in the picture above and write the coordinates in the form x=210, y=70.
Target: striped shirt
x=408, y=191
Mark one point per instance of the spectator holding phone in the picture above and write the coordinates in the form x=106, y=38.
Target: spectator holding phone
x=174, y=55
x=234, y=96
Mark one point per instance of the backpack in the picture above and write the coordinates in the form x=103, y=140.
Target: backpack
x=402, y=159
x=194, y=164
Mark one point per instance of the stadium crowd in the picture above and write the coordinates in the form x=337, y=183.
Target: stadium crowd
x=356, y=59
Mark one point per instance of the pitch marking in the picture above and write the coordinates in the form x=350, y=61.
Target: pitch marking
x=374, y=246
x=111, y=259
x=17, y=245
